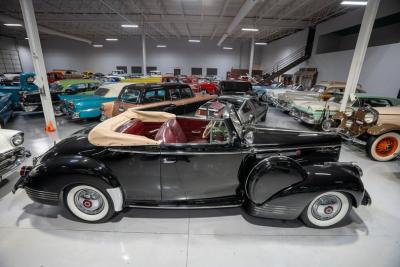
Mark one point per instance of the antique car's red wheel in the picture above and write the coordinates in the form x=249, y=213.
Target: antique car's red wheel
x=89, y=203
x=326, y=210
x=384, y=147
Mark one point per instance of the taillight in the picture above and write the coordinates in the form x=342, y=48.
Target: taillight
x=25, y=170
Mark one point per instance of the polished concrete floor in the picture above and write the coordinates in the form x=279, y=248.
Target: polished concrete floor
x=39, y=235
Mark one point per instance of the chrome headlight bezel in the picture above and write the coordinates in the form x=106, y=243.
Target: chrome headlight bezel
x=348, y=112
x=17, y=139
x=349, y=123
x=370, y=117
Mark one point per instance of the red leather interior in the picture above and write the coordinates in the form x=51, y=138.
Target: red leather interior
x=137, y=127
x=180, y=130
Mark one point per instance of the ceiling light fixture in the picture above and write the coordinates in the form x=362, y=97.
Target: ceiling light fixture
x=26, y=38
x=354, y=3
x=250, y=29
x=129, y=26
x=111, y=39
x=12, y=24
x=194, y=41
x=161, y=46
x=227, y=48
x=260, y=43
x=97, y=45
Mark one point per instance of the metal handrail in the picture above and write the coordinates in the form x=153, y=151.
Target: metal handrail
x=286, y=61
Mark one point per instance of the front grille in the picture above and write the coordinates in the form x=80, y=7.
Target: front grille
x=42, y=195
x=9, y=158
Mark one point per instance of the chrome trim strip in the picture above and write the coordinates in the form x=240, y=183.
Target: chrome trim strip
x=200, y=153
x=117, y=197
x=185, y=207
x=294, y=148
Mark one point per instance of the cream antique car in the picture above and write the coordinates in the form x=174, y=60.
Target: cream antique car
x=323, y=91
x=12, y=153
x=377, y=128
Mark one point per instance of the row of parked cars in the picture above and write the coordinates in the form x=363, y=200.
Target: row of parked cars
x=148, y=153
x=372, y=121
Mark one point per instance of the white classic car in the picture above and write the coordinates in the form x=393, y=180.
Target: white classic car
x=12, y=153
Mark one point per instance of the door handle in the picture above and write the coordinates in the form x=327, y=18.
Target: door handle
x=168, y=160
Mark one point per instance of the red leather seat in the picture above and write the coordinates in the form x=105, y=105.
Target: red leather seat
x=171, y=133
x=134, y=126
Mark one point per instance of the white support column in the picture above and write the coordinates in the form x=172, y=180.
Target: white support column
x=251, y=56
x=144, y=66
x=360, y=50
x=38, y=62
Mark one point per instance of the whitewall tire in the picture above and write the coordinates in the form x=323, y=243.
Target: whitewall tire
x=89, y=203
x=326, y=210
x=385, y=147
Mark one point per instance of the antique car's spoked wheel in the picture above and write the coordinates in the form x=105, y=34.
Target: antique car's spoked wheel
x=89, y=203
x=326, y=210
x=385, y=147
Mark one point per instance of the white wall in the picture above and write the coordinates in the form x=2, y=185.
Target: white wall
x=380, y=72
x=69, y=54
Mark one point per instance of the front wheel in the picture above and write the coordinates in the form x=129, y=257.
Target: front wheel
x=385, y=147
x=89, y=203
x=326, y=210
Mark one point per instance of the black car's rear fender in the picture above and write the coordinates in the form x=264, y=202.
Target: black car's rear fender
x=278, y=187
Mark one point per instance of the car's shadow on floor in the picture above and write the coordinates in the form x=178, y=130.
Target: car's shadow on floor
x=36, y=211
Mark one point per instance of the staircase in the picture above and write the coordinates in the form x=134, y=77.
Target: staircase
x=294, y=58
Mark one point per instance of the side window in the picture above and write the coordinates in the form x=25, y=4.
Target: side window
x=130, y=95
x=174, y=93
x=186, y=92
x=152, y=96
x=378, y=102
x=246, y=107
x=81, y=86
x=93, y=85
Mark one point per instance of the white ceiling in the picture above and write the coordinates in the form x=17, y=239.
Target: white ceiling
x=164, y=19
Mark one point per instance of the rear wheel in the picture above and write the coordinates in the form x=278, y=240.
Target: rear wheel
x=89, y=203
x=385, y=147
x=326, y=210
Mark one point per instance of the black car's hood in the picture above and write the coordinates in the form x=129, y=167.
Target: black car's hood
x=286, y=137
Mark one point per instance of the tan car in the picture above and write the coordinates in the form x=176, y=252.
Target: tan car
x=377, y=128
x=169, y=97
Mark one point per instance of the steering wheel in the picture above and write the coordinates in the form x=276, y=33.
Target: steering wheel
x=207, y=130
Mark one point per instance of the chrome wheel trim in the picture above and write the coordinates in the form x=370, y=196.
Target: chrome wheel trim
x=89, y=201
x=326, y=207
x=339, y=216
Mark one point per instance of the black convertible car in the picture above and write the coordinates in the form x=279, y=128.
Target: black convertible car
x=160, y=160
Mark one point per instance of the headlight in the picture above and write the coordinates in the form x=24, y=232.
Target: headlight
x=249, y=137
x=369, y=117
x=349, y=124
x=348, y=112
x=17, y=139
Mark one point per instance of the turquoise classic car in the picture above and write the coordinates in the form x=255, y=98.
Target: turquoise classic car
x=318, y=112
x=26, y=85
x=88, y=105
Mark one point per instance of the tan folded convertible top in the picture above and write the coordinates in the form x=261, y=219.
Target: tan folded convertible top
x=104, y=134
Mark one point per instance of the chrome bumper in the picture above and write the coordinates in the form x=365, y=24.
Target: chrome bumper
x=11, y=159
x=299, y=116
x=351, y=139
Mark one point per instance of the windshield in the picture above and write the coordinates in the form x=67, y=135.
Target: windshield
x=318, y=88
x=236, y=86
x=55, y=86
x=236, y=103
x=203, y=80
x=336, y=98
x=101, y=91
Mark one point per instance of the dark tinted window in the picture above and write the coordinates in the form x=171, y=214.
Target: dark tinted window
x=101, y=91
x=186, y=92
x=212, y=71
x=136, y=69
x=235, y=86
x=197, y=71
x=174, y=94
x=130, y=95
x=152, y=96
x=237, y=104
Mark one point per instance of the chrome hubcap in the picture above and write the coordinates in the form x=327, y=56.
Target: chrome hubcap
x=89, y=201
x=326, y=207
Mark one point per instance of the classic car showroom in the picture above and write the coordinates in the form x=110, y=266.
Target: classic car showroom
x=199, y=133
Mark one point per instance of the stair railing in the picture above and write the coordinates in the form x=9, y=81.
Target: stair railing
x=286, y=61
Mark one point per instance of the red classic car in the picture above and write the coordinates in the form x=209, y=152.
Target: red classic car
x=199, y=84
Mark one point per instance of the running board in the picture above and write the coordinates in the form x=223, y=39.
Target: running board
x=210, y=203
